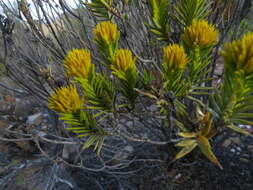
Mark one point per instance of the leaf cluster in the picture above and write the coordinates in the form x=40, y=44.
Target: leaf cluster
x=100, y=8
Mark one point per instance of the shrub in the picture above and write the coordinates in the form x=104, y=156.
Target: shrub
x=143, y=75
x=184, y=73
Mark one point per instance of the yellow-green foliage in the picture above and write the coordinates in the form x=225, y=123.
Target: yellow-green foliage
x=159, y=18
x=65, y=100
x=100, y=8
x=106, y=32
x=106, y=36
x=239, y=54
x=174, y=57
x=77, y=63
x=123, y=85
x=188, y=10
x=201, y=34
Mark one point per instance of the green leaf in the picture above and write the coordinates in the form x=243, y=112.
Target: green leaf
x=187, y=134
x=241, y=121
x=147, y=94
x=129, y=82
x=99, y=91
x=242, y=115
x=239, y=130
x=188, y=10
x=100, y=8
x=186, y=142
x=206, y=149
x=83, y=124
x=159, y=26
x=186, y=150
x=180, y=125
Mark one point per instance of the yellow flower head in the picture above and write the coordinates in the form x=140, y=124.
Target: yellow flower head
x=174, y=57
x=65, y=100
x=239, y=54
x=77, y=63
x=106, y=32
x=123, y=60
x=200, y=33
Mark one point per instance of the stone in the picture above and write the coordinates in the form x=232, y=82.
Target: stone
x=153, y=108
x=245, y=126
x=129, y=123
x=250, y=147
x=232, y=150
x=236, y=140
x=227, y=142
x=23, y=108
x=35, y=119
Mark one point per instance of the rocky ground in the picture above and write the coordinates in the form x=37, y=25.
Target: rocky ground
x=23, y=167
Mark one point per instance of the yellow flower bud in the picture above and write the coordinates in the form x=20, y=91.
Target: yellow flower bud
x=106, y=32
x=123, y=60
x=239, y=54
x=200, y=33
x=174, y=57
x=66, y=100
x=77, y=63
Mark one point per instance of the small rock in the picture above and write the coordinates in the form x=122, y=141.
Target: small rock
x=178, y=176
x=227, y=142
x=245, y=126
x=122, y=120
x=153, y=108
x=236, y=140
x=35, y=119
x=246, y=155
x=45, y=115
x=250, y=147
x=129, y=123
x=248, y=127
x=232, y=150
x=22, y=110
x=44, y=127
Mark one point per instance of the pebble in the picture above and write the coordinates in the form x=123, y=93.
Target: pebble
x=232, y=150
x=227, y=143
x=129, y=123
x=245, y=126
x=153, y=108
x=35, y=119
